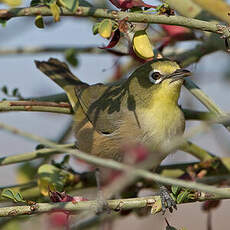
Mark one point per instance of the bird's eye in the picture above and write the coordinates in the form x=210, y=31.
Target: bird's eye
x=154, y=76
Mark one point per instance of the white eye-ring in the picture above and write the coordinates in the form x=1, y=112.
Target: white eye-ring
x=155, y=76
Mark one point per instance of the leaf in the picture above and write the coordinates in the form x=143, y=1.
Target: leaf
x=54, y=178
x=114, y=40
x=55, y=11
x=182, y=196
x=39, y=22
x=9, y=193
x=70, y=56
x=141, y=45
x=128, y=4
x=12, y=3
x=26, y=172
x=175, y=189
x=95, y=28
x=105, y=28
x=169, y=227
x=18, y=196
x=3, y=22
x=71, y=5
x=85, y=3
x=35, y=3
x=5, y=89
x=15, y=92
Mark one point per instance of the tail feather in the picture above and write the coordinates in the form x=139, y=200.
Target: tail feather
x=60, y=73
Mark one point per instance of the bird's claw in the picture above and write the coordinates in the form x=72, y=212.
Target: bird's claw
x=166, y=200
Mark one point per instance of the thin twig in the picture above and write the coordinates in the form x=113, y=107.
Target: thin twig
x=118, y=15
x=40, y=153
x=37, y=106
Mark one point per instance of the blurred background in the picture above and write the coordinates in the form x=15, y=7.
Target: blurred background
x=19, y=71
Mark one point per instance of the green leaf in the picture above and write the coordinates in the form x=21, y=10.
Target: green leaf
x=39, y=22
x=85, y=3
x=70, y=56
x=3, y=22
x=36, y=3
x=182, y=196
x=95, y=28
x=5, y=90
x=71, y=5
x=9, y=193
x=175, y=189
x=105, y=28
x=15, y=92
x=51, y=177
x=169, y=227
x=18, y=196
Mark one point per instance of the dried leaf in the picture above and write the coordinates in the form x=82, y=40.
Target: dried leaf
x=114, y=40
x=128, y=4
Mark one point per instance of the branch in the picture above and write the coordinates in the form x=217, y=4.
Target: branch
x=31, y=155
x=118, y=15
x=65, y=108
x=108, y=163
x=37, y=106
x=115, y=205
x=49, y=49
x=205, y=100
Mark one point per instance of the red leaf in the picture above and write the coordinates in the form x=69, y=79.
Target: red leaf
x=60, y=197
x=128, y=4
x=174, y=30
x=175, y=33
x=114, y=40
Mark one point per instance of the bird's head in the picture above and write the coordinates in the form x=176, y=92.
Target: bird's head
x=160, y=78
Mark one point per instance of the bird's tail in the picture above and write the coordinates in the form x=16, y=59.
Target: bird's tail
x=60, y=73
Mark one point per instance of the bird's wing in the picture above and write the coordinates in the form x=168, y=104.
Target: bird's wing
x=102, y=105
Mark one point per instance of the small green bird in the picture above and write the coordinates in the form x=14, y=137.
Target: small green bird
x=142, y=109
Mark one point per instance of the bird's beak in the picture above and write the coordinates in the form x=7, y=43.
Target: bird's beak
x=179, y=74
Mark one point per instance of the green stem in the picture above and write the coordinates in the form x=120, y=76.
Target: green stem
x=118, y=15
x=196, y=151
x=37, y=106
x=41, y=153
x=116, y=205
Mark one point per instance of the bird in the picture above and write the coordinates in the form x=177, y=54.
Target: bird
x=141, y=109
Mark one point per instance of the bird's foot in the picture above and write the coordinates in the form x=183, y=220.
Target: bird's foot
x=102, y=204
x=166, y=200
